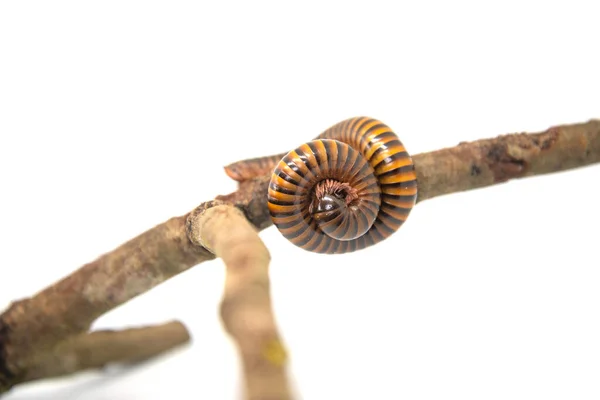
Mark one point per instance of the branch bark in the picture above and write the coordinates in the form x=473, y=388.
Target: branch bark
x=101, y=348
x=488, y=162
x=68, y=307
x=246, y=307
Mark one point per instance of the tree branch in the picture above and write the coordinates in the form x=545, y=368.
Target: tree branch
x=246, y=307
x=68, y=307
x=491, y=161
x=99, y=349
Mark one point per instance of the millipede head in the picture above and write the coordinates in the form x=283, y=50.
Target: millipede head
x=327, y=208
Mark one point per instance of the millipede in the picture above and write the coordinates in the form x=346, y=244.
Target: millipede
x=353, y=186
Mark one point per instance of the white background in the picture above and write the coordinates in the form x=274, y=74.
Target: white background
x=116, y=115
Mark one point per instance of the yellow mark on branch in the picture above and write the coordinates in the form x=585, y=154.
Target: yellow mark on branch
x=275, y=353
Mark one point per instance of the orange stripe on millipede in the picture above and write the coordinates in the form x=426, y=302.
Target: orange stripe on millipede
x=399, y=178
x=406, y=191
x=377, y=144
x=282, y=183
x=371, y=137
x=392, y=149
x=403, y=162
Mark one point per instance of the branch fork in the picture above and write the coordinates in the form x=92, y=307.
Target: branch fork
x=48, y=334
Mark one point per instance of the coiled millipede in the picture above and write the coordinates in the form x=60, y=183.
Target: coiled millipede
x=351, y=187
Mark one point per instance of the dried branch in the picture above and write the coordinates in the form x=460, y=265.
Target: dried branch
x=68, y=307
x=246, y=307
x=490, y=161
x=99, y=349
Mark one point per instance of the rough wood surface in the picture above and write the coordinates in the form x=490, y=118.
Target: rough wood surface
x=67, y=308
x=99, y=349
x=246, y=308
x=487, y=162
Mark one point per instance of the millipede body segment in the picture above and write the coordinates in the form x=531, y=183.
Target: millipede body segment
x=351, y=187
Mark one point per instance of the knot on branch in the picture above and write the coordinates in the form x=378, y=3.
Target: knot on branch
x=193, y=223
x=507, y=156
